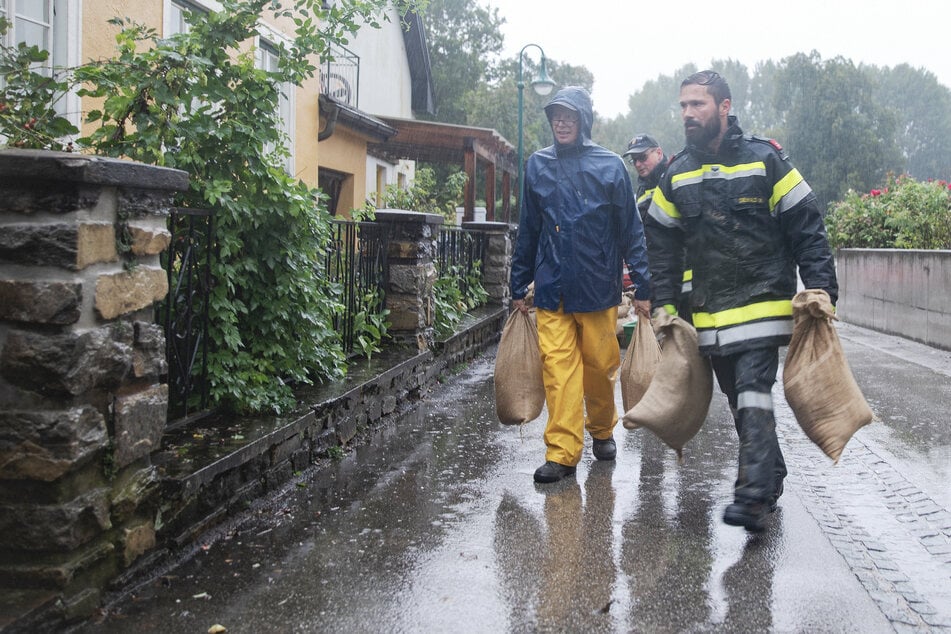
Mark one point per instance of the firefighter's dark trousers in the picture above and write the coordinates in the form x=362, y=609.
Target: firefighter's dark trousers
x=747, y=379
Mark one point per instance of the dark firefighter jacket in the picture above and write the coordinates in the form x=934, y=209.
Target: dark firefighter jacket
x=646, y=186
x=578, y=222
x=743, y=219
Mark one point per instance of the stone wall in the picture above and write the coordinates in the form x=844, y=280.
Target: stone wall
x=83, y=406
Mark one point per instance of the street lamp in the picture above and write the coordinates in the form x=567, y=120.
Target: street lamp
x=542, y=86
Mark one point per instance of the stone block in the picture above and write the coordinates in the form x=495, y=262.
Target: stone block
x=139, y=422
x=54, y=198
x=40, y=244
x=41, y=302
x=133, y=201
x=148, y=353
x=148, y=240
x=43, y=446
x=56, y=527
x=121, y=293
x=136, y=541
x=56, y=572
x=69, y=363
x=407, y=279
x=131, y=491
x=95, y=243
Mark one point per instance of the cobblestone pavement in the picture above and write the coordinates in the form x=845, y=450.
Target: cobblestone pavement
x=895, y=537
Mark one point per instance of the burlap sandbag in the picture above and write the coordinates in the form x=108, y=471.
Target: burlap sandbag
x=640, y=362
x=678, y=397
x=519, y=390
x=819, y=385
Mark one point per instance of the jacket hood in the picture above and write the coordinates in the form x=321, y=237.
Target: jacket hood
x=576, y=98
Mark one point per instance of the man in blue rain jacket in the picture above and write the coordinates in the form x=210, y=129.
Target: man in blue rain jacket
x=578, y=224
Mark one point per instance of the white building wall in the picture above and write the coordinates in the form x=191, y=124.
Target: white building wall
x=385, y=82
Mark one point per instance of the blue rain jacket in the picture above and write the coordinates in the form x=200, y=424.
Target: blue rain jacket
x=578, y=222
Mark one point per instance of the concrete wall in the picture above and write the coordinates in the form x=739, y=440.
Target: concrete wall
x=899, y=291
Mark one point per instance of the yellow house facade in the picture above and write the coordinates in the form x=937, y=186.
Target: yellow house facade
x=328, y=130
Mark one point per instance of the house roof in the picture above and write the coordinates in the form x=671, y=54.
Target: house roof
x=454, y=144
x=444, y=143
x=420, y=69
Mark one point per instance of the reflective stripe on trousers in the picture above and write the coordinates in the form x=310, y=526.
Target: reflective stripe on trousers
x=580, y=359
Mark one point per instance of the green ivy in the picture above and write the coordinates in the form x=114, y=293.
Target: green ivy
x=902, y=214
x=450, y=307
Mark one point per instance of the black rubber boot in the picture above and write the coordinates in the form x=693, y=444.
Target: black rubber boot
x=756, y=482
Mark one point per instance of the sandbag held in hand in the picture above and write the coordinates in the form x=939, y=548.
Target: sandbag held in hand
x=519, y=390
x=818, y=382
x=678, y=397
x=640, y=363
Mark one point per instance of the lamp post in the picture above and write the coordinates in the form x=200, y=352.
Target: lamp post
x=542, y=86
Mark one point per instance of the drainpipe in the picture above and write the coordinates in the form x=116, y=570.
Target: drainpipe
x=331, y=110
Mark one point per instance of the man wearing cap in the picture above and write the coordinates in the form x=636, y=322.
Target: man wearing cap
x=649, y=162
x=578, y=224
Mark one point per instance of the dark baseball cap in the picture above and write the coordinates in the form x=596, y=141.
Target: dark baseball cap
x=640, y=144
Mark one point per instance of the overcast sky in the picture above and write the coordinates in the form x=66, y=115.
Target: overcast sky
x=626, y=43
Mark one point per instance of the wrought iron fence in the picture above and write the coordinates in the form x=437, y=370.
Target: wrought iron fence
x=356, y=264
x=462, y=251
x=184, y=313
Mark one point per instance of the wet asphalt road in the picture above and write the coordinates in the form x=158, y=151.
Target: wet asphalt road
x=436, y=526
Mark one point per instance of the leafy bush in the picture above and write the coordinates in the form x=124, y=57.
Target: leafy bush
x=196, y=101
x=456, y=293
x=903, y=214
x=426, y=195
x=28, y=97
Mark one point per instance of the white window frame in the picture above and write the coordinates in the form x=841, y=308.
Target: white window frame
x=265, y=44
x=64, y=42
x=170, y=24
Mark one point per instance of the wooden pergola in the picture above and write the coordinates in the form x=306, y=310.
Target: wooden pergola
x=460, y=145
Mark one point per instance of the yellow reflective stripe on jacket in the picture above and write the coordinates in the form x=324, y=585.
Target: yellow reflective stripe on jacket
x=687, y=281
x=663, y=211
x=743, y=314
x=719, y=338
x=646, y=195
x=717, y=171
x=789, y=191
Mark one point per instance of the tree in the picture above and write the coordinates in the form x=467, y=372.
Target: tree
x=838, y=135
x=465, y=41
x=923, y=110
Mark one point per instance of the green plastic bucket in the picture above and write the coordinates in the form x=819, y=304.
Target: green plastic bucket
x=629, y=331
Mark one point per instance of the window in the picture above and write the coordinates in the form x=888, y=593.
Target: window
x=268, y=59
x=54, y=26
x=175, y=11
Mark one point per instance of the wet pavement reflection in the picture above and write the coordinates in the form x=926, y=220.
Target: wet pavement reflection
x=437, y=526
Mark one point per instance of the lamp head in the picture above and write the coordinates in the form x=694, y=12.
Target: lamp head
x=544, y=84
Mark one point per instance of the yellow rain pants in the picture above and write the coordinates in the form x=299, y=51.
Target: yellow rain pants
x=580, y=359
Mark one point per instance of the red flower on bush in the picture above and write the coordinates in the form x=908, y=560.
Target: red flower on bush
x=876, y=192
